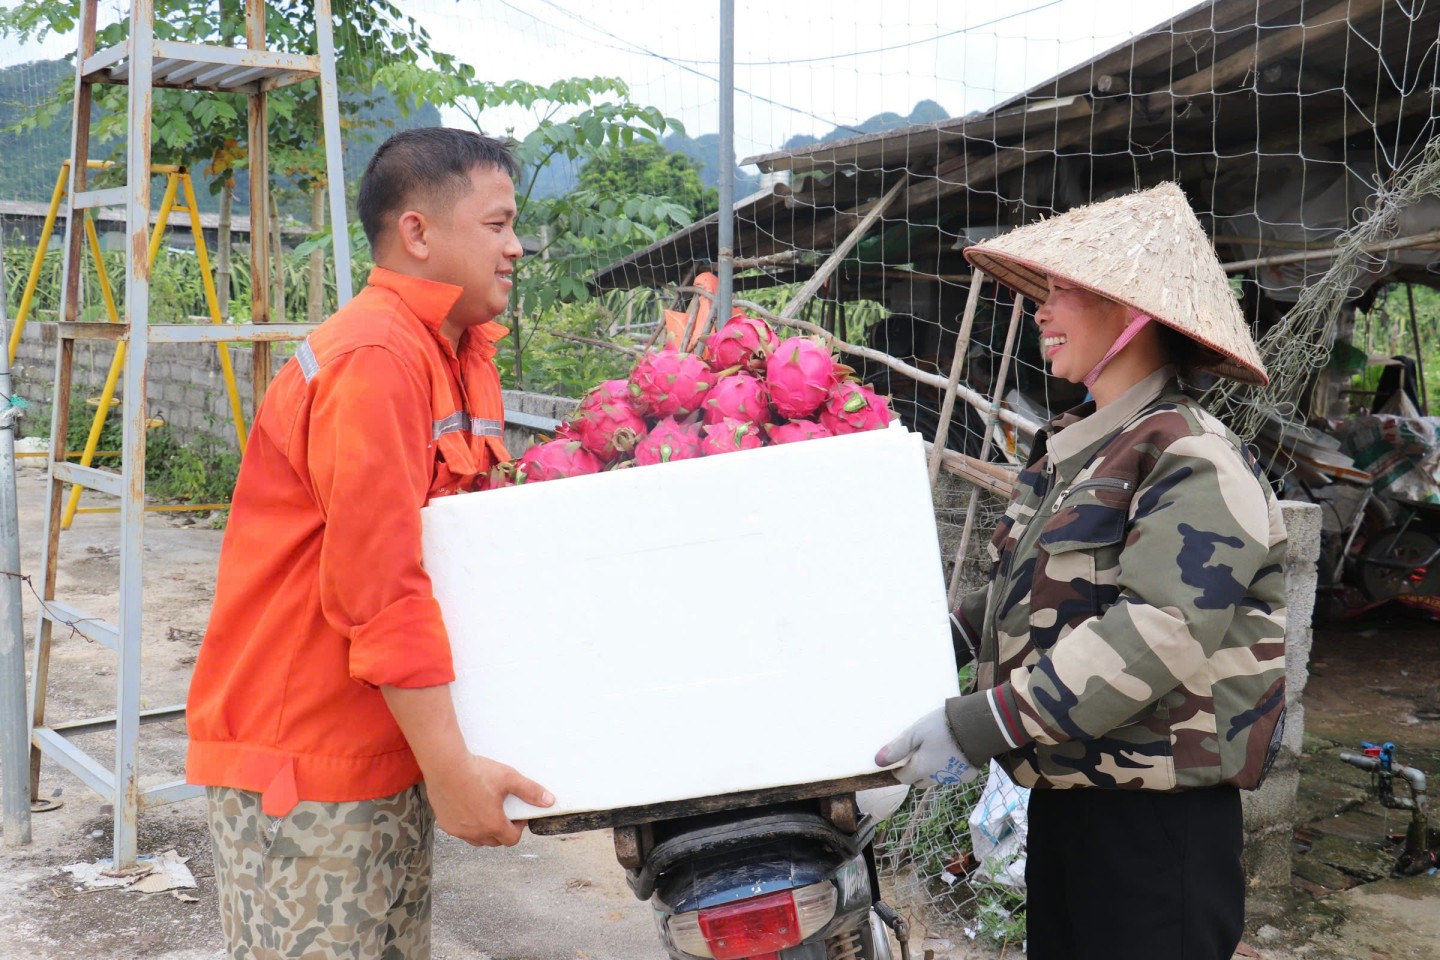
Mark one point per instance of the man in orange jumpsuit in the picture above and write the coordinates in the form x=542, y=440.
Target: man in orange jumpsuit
x=320, y=716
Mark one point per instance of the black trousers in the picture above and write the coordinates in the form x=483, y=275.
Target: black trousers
x=1134, y=875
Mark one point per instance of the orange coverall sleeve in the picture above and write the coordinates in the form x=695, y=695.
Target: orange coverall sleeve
x=371, y=459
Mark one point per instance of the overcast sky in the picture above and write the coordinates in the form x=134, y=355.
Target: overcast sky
x=802, y=66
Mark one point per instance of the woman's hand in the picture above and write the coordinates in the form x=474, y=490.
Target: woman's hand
x=934, y=756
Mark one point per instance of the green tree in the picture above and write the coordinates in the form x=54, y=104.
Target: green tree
x=576, y=119
x=208, y=130
x=648, y=169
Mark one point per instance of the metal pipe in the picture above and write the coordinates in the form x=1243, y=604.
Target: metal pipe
x=14, y=725
x=134, y=419
x=727, y=164
x=1416, y=778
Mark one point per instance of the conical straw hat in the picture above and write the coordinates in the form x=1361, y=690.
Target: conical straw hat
x=1145, y=250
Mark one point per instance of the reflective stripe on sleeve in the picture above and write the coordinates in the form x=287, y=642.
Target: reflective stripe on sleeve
x=309, y=366
x=461, y=422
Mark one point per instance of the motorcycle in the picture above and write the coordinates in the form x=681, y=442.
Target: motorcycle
x=791, y=880
x=1402, y=561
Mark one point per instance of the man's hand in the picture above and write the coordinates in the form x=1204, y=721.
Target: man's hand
x=468, y=799
x=467, y=792
x=934, y=756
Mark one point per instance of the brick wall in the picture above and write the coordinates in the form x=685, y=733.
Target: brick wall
x=187, y=388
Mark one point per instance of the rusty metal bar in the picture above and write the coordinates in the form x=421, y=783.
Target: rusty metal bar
x=91, y=628
x=77, y=761
x=90, y=199
x=134, y=419
x=172, y=792
x=258, y=125
x=91, y=478
x=78, y=166
x=96, y=724
x=230, y=332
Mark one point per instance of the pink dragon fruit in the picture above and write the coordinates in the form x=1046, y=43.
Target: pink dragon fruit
x=742, y=342
x=795, y=431
x=500, y=475
x=740, y=397
x=566, y=431
x=800, y=374
x=730, y=435
x=555, y=460
x=668, y=440
x=668, y=383
x=853, y=407
x=607, y=392
x=608, y=428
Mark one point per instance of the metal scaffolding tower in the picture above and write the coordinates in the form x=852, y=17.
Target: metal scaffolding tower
x=143, y=63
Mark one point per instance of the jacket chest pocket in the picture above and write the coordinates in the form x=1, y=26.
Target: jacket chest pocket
x=456, y=465
x=1077, y=565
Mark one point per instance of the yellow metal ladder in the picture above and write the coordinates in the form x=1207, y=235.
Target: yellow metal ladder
x=142, y=62
x=177, y=183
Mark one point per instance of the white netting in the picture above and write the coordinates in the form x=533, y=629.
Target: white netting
x=1297, y=128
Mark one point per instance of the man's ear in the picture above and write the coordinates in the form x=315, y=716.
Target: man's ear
x=412, y=232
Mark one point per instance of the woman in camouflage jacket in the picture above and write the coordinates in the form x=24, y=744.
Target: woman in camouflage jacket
x=1131, y=662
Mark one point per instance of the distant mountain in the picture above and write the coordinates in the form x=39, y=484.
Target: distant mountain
x=705, y=151
x=926, y=111
x=32, y=159
x=374, y=123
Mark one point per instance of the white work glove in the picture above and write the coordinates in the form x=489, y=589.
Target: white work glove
x=934, y=756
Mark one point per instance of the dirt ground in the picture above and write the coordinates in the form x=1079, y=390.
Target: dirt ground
x=564, y=898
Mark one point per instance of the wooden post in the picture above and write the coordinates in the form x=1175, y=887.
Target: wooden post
x=1419, y=351
x=996, y=397
x=259, y=147
x=957, y=363
x=792, y=309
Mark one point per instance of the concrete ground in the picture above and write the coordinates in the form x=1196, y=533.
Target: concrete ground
x=564, y=898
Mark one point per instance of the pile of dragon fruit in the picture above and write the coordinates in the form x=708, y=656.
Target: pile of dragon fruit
x=747, y=388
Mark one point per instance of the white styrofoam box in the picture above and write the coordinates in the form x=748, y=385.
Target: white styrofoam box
x=756, y=619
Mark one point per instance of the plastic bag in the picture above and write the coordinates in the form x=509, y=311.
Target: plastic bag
x=998, y=826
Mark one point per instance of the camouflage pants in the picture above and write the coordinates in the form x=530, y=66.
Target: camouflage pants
x=329, y=880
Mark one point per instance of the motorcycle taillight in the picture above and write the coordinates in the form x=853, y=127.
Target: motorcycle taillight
x=757, y=927
x=751, y=927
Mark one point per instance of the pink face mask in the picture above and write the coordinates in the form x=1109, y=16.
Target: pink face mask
x=1137, y=320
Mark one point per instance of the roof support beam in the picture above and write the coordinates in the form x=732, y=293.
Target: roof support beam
x=841, y=252
x=962, y=173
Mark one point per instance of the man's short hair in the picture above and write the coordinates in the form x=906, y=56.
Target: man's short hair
x=429, y=163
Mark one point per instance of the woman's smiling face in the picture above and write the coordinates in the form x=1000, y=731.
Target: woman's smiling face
x=1077, y=327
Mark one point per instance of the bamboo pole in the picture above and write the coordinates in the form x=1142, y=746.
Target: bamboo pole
x=978, y=401
x=996, y=397
x=988, y=476
x=1419, y=350
x=591, y=341
x=1381, y=246
x=957, y=363
x=823, y=272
